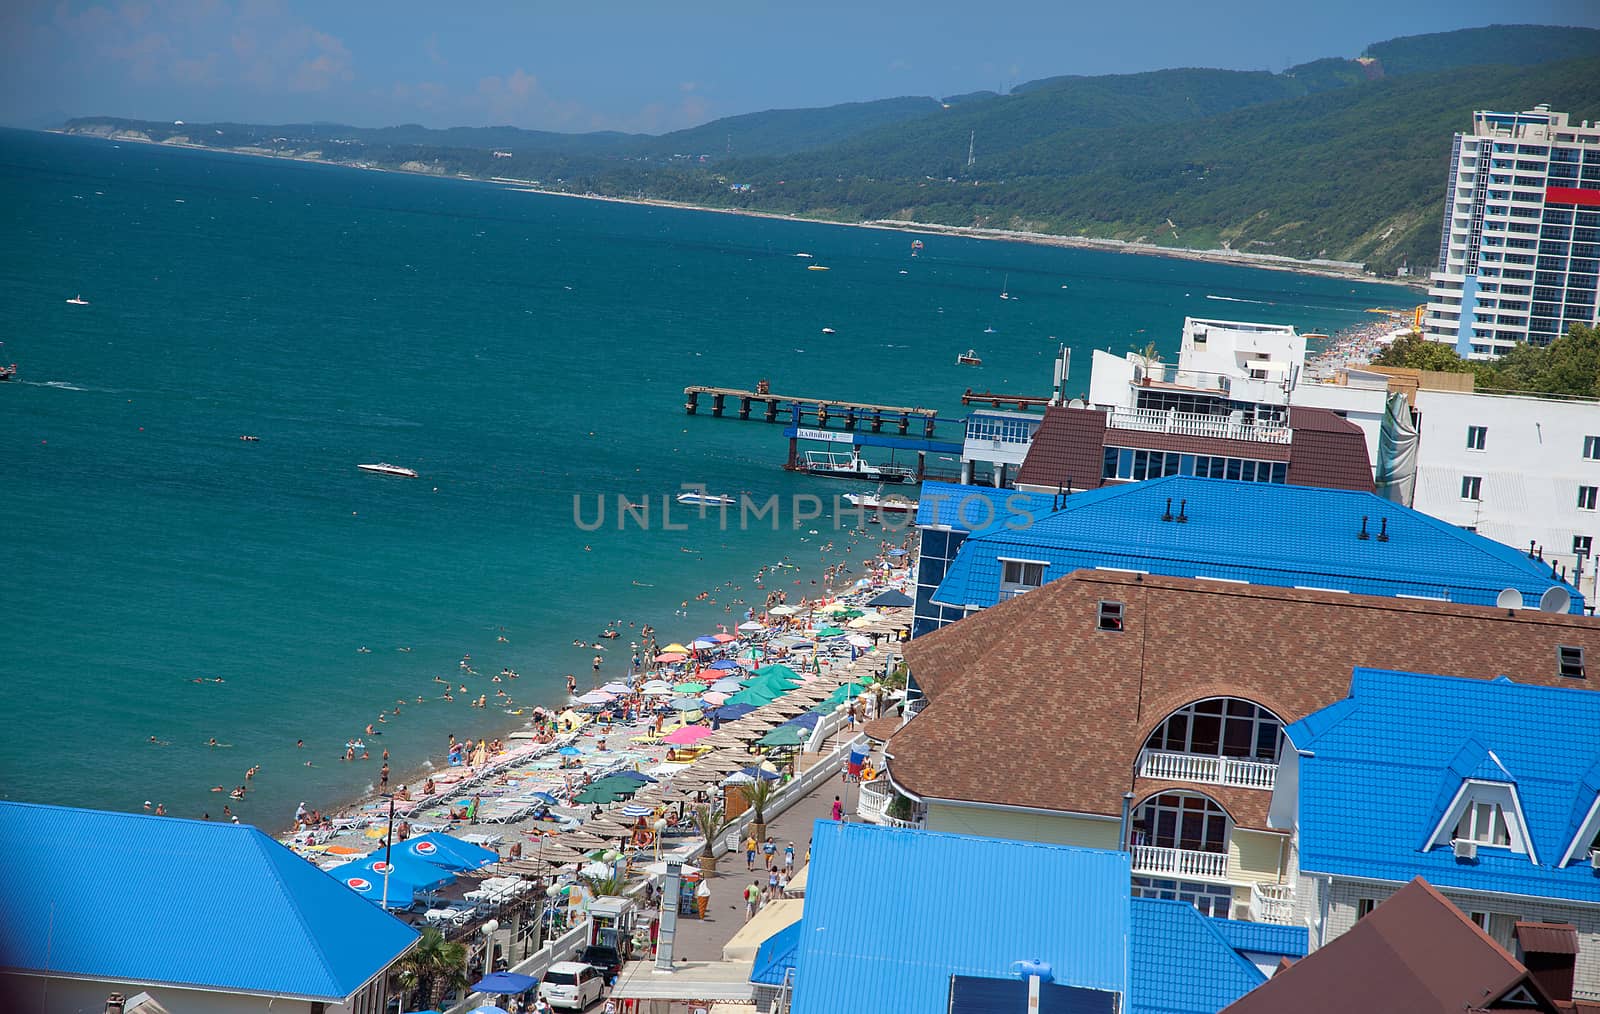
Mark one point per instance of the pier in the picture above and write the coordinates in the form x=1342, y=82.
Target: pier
x=1023, y=402
x=795, y=411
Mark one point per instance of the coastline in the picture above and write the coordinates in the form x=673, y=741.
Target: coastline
x=1270, y=262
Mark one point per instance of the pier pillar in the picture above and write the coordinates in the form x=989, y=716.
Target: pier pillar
x=905, y=423
x=922, y=464
x=772, y=411
x=877, y=421
x=716, y=405
x=822, y=417
x=744, y=408
x=927, y=426
x=850, y=420
x=692, y=403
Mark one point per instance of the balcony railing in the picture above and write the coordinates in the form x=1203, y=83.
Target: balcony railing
x=1196, y=424
x=1188, y=767
x=1155, y=860
x=1272, y=903
x=873, y=804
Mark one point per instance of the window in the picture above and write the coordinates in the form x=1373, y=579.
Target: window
x=1581, y=545
x=1211, y=899
x=1110, y=616
x=1587, y=496
x=1177, y=820
x=1471, y=487
x=1018, y=576
x=1570, y=661
x=1220, y=727
x=1364, y=907
x=1591, y=448
x=1476, y=436
x=1484, y=823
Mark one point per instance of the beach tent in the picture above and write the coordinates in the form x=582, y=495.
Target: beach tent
x=891, y=599
x=506, y=983
x=446, y=852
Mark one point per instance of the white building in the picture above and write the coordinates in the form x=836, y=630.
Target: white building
x=1519, y=252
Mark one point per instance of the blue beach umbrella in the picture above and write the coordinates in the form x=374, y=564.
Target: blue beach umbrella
x=422, y=876
x=446, y=852
x=729, y=712
x=759, y=772
x=687, y=704
x=400, y=893
x=723, y=663
x=509, y=983
x=704, y=642
x=545, y=797
x=631, y=775
x=570, y=751
x=727, y=686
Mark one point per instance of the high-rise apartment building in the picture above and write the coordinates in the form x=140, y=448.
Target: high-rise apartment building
x=1520, y=249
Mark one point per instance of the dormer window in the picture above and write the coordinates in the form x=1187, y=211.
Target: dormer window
x=1110, y=616
x=1018, y=576
x=1570, y=661
x=1484, y=823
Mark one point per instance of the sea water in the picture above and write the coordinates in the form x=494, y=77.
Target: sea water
x=518, y=351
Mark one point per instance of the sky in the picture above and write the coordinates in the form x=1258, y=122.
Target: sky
x=641, y=66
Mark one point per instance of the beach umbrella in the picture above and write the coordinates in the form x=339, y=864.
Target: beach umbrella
x=401, y=893
x=570, y=751
x=632, y=776
x=859, y=640
x=686, y=735
x=507, y=983
x=828, y=631
x=723, y=638
x=422, y=876
x=833, y=607
x=728, y=685
x=636, y=810
x=688, y=687
x=661, y=691
x=712, y=698
x=804, y=720
x=732, y=711
x=545, y=797
x=752, y=626
x=675, y=648
x=702, y=643
x=606, y=791
x=763, y=772
x=723, y=664
x=783, y=610
x=784, y=735
x=891, y=599
x=446, y=851
x=617, y=688
x=596, y=697
x=671, y=656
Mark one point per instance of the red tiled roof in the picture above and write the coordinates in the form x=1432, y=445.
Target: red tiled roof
x=1328, y=451
x=1548, y=937
x=1031, y=705
x=1416, y=952
x=1069, y=444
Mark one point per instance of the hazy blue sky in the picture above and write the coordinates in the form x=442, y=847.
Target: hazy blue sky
x=593, y=64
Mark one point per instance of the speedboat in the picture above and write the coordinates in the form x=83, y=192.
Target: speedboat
x=384, y=468
x=853, y=466
x=969, y=358
x=78, y=300
x=891, y=504
x=696, y=498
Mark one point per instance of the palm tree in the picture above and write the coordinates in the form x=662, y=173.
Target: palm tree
x=710, y=822
x=759, y=793
x=607, y=886
x=434, y=967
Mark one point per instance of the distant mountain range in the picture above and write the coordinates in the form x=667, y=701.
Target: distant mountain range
x=1338, y=158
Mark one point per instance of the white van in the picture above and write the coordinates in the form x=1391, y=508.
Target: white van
x=571, y=985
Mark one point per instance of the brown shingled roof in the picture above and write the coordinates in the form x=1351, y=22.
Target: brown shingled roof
x=1068, y=445
x=1416, y=952
x=1328, y=451
x=1032, y=706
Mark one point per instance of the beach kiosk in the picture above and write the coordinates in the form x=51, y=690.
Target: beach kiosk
x=612, y=918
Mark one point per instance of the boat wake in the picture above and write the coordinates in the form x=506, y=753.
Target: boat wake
x=60, y=385
x=1235, y=299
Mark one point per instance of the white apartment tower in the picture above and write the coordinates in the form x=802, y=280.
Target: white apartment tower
x=1520, y=249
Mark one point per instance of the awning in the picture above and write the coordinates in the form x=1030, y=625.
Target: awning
x=690, y=980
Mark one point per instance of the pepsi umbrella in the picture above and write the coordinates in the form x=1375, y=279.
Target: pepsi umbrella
x=446, y=852
x=400, y=893
x=509, y=983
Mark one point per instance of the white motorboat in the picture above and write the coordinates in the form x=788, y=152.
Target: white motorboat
x=695, y=498
x=969, y=358
x=78, y=300
x=894, y=503
x=384, y=468
x=838, y=465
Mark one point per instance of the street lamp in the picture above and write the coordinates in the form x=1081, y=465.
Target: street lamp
x=488, y=930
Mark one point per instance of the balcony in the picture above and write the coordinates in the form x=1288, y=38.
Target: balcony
x=1207, y=770
x=1272, y=903
x=1195, y=424
x=873, y=804
x=1157, y=861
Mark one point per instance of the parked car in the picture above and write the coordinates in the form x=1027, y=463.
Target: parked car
x=571, y=984
x=606, y=959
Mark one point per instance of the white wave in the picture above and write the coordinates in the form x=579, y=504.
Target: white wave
x=60, y=385
x=1232, y=299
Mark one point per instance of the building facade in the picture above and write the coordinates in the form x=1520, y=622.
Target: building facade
x=1519, y=252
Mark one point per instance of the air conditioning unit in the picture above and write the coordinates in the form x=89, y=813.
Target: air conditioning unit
x=1465, y=849
x=1594, y=859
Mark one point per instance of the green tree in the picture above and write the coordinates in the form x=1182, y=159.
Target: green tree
x=1570, y=365
x=434, y=967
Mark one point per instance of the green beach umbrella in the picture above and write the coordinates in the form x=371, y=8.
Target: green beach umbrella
x=785, y=735
x=690, y=687
x=829, y=631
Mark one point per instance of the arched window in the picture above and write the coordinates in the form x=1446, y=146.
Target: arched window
x=1181, y=820
x=1220, y=727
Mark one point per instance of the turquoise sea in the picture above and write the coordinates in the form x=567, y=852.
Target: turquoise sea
x=516, y=350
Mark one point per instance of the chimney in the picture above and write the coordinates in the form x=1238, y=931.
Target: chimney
x=1549, y=953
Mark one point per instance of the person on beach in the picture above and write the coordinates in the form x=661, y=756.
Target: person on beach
x=383, y=776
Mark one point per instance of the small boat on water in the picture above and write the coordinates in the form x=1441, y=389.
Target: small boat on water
x=78, y=300
x=969, y=358
x=384, y=468
x=696, y=498
x=1005, y=288
x=816, y=267
x=894, y=503
x=7, y=372
x=837, y=465
x=806, y=255
x=828, y=330
x=247, y=438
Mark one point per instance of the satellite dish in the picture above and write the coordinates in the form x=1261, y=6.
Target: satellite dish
x=1076, y=403
x=1511, y=598
x=1556, y=599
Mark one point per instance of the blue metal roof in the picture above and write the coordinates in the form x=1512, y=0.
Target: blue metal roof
x=1260, y=533
x=978, y=508
x=1180, y=963
x=1264, y=937
x=775, y=956
x=990, y=903
x=198, y=903
x=1376, y=781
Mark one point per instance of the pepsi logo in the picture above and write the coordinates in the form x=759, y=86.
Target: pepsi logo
x=426, y=848
x=382, y=867
x=359, y=884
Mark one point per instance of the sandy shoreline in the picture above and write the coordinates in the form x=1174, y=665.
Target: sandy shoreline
x=1270, y=262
